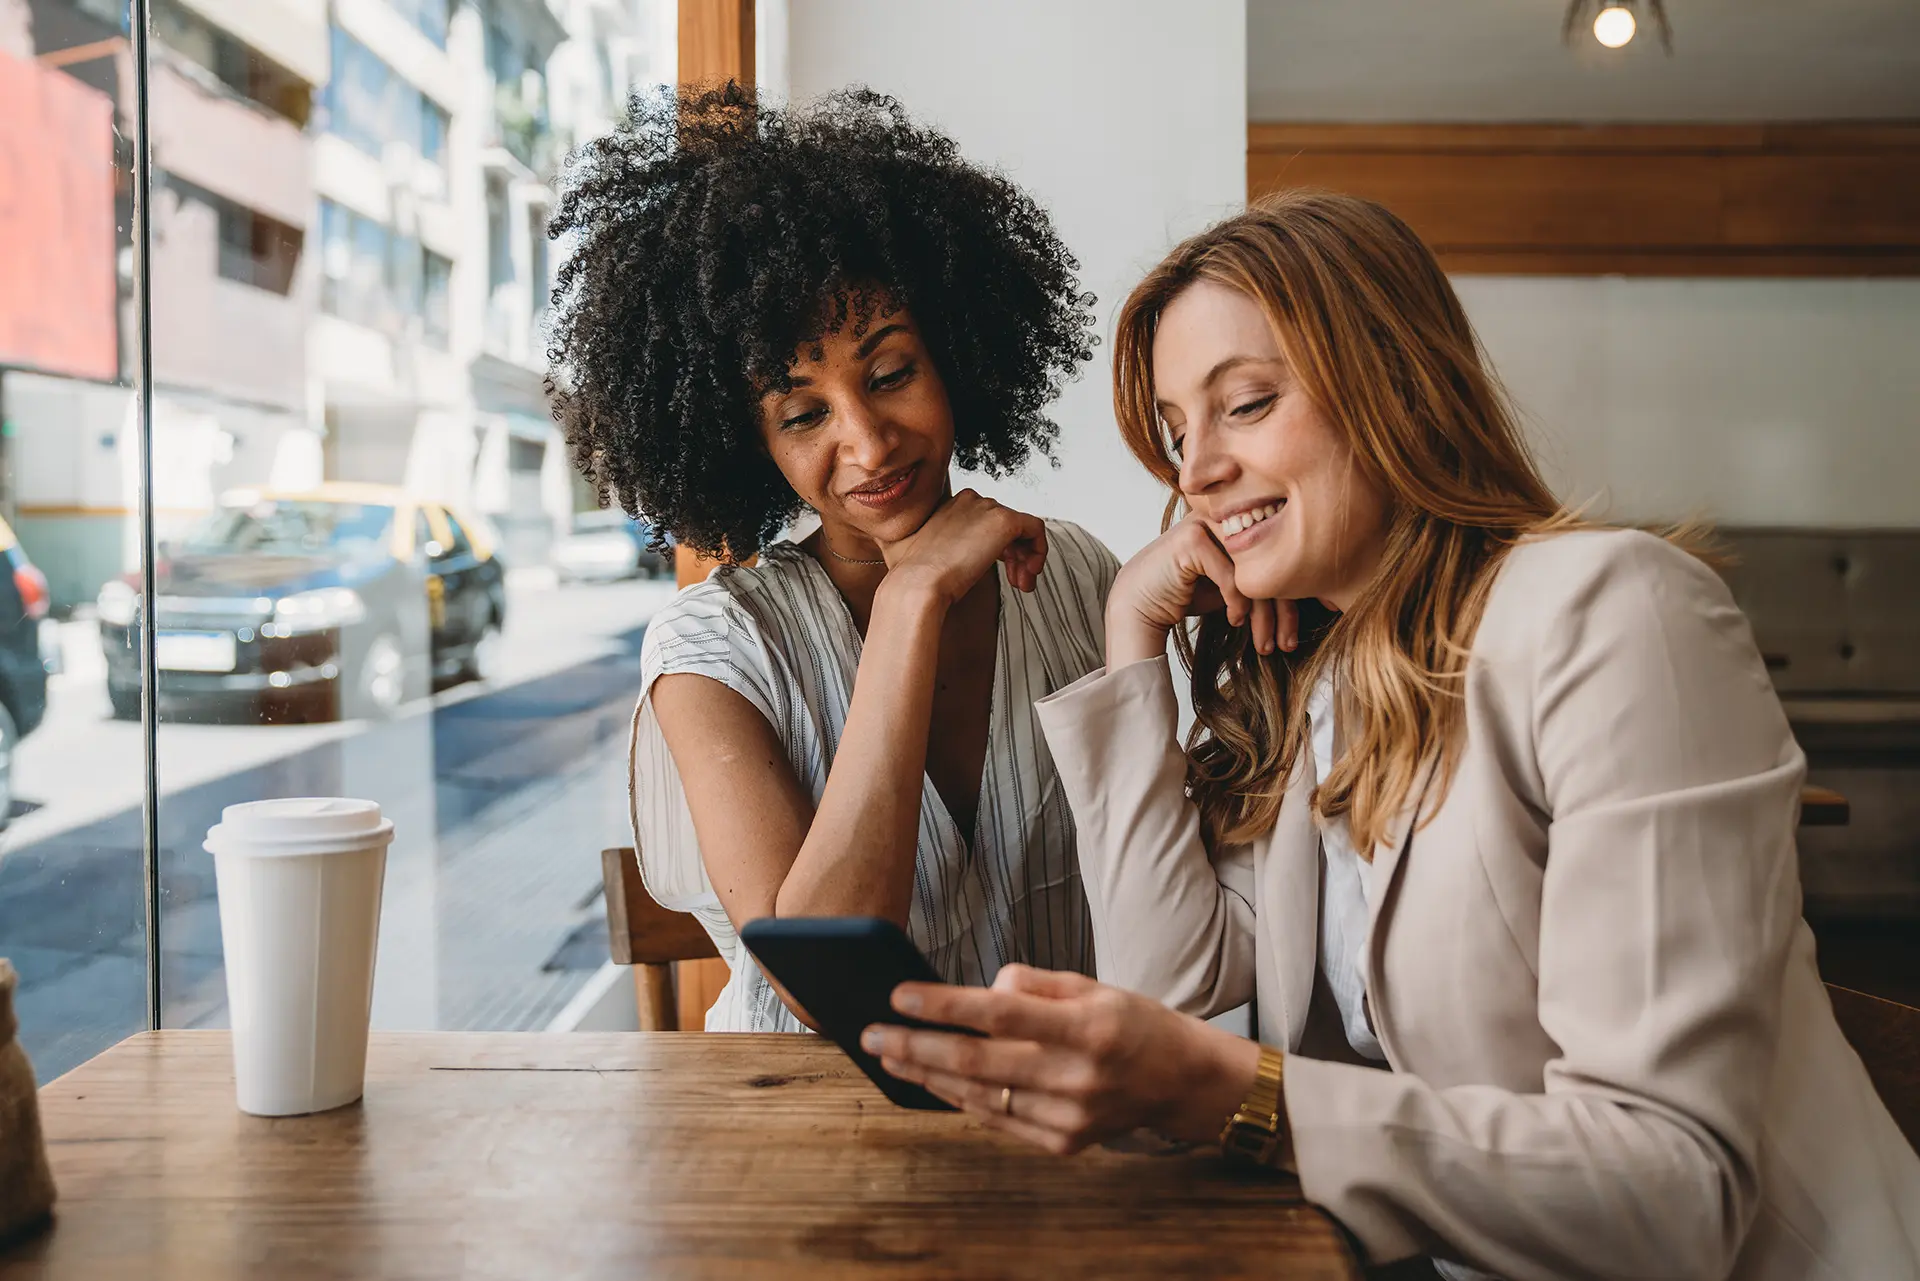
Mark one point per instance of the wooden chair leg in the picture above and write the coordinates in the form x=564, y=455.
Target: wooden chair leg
x=653, y=988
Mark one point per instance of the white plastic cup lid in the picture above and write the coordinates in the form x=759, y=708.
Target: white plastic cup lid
x=299, y=825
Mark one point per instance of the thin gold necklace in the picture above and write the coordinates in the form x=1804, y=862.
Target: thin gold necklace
x=848, y=559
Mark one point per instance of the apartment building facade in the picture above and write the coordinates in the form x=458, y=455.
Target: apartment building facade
x=350, y=265
x=432, y=376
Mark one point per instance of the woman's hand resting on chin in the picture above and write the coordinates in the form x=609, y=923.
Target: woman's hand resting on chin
x=960, y=543
x=1183, y=574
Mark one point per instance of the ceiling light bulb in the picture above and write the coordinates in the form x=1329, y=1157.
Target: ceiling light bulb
x=1614, y=27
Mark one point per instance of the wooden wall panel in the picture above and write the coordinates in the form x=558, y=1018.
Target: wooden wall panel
x=1739, y=200
x=715, y=44
x=716, y=41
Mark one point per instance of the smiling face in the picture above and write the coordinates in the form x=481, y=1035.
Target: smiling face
x=865, y=434
x=1274, y=481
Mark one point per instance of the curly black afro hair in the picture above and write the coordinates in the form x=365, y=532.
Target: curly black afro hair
x=714, y=236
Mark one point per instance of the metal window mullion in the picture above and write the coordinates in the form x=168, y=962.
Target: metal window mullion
x=143, y=330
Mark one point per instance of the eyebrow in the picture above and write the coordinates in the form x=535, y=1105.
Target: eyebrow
x=1231, y=363
x=873, y=339
x=865, y=349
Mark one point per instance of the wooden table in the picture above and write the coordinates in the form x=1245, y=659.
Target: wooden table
x=673, y=1154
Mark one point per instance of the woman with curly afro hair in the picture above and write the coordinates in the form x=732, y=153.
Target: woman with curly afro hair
x=826, y=309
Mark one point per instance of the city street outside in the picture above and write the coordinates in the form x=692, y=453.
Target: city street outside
x=503, y=792
x=316, y=359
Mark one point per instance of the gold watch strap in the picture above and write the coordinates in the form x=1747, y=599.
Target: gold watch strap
x=1257, y=1130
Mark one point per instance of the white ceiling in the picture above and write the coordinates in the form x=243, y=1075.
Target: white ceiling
x=1468, y=60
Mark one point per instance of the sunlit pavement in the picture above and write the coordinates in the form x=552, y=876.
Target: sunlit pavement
x=502, y=793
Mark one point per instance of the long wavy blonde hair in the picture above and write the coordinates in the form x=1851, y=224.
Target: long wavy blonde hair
x=1376, y=339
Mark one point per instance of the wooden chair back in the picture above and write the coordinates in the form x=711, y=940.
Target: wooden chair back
x=1823, y=807
x=641, y=933
x=1886, y=1036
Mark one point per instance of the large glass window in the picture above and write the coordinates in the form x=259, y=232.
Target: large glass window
x=72, y=778
x=333, y=607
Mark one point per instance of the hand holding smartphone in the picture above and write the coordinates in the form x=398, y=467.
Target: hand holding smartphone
x=842, y=970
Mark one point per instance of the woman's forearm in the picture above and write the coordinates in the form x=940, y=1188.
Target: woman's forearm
x=1168, y=920
x=858, y=855
x=1130, y=638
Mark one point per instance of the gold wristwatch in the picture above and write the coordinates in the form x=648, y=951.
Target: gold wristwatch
x=1257, y=1132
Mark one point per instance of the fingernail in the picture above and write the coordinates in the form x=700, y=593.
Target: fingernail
x=870, y=1040
x=906, y=1002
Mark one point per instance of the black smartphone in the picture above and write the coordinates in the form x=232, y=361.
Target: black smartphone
x=842, y=970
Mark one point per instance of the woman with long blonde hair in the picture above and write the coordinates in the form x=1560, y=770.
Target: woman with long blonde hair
x=1498, y=836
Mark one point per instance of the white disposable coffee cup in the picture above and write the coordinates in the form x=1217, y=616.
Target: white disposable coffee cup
x=300, y=884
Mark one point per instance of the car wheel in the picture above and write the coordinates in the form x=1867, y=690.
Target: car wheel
x=379, y=684
x=126, y=702
x=483, y=660
x=9, y=739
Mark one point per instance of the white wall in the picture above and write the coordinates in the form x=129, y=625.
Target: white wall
x=1776, y=402
x=1126, y=119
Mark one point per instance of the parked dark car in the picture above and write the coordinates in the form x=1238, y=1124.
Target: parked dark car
x=23, y=671
x=343, y=601
x=606, y=545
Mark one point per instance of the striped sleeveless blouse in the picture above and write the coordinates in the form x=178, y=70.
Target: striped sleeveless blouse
x=779, y=634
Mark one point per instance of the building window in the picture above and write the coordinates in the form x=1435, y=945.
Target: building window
x=537, y=258
x=429, y=16
x=370, y=104
x=437, y=310
x=257, y=250
x=252, y=249
x=499, y=242
x=238, y=68
x=504, y=58
x=525, y=455
x=377, y=277
x=406, y=285
x=435, y=124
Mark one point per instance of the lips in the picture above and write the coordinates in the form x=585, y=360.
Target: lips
x=1248, y=517
x=1248, y=526
x=888, y=489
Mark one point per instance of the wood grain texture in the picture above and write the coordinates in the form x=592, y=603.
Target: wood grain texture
x=1676, y=200
x=716, y=41
x=639, y=930
x=657, y=1001
x=651, y=938
x=698, y=985
x=608, y=1155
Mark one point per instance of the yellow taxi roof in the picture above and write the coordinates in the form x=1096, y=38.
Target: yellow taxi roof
x=347, y=491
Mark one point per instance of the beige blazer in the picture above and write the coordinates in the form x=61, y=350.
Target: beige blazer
x=1612, y=1052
